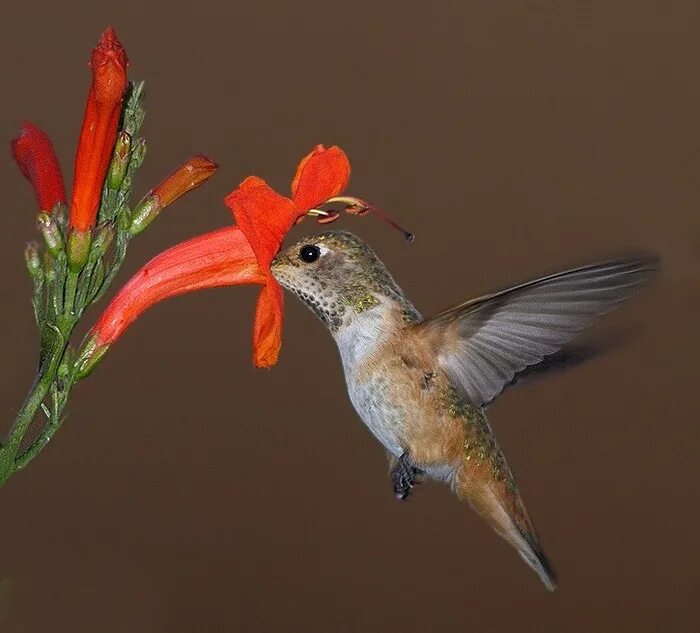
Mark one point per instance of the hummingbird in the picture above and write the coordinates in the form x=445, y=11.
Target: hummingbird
x=421, y=386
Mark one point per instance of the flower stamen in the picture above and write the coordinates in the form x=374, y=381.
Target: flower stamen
x=356, y=206
x=323, y=217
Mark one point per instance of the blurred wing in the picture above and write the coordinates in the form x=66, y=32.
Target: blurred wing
x=483, y=343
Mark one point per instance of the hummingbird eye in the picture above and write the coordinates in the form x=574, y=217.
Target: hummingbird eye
x=309, y=253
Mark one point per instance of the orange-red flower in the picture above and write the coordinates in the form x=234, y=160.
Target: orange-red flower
x=219, y=258
x=230, y=256
x=98, y=134
x=34, y=153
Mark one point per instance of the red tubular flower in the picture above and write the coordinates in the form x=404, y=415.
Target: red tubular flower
x=230, y=256
x=34, y=153
x=108, y=64
x=219, y=258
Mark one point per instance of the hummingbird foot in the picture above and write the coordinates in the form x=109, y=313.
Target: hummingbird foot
x=404, y=475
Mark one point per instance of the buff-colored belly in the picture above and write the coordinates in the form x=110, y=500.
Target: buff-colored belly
x=406, y=415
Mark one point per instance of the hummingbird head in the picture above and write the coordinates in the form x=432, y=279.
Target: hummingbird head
x=338, y=276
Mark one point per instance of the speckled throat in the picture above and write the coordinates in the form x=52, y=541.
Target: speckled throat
x=351, y=282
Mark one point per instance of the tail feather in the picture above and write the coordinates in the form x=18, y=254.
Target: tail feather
x=500, y=505
x=535, y=557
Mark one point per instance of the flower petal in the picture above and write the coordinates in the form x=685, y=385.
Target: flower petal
x=263, y=215
x=34, y=153
x=267, y=331
x=322, y=174
x=219, y=258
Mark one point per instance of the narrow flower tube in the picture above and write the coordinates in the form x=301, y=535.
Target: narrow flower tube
x=220, y=258
x=184, y=179
x=108, y=63
x=230, y=256
x=35, y=156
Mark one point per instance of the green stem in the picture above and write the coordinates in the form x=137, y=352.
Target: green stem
x=71, y=287
x=53, y=349
x=59, y=401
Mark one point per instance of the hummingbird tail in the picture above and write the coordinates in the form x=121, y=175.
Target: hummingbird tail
x=533, y=555
x=502, y=508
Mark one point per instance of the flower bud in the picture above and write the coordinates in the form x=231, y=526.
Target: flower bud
x=120, y=161
x=33, y=260
x=99, y=132
x=51, y=233
x=34, y=153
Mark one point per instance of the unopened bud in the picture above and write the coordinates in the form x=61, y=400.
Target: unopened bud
x=78, y=249
x=51, y=233
x=120, y=161
x=33, y=260
x=103, y=240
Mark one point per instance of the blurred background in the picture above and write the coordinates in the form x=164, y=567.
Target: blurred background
x=189, y=492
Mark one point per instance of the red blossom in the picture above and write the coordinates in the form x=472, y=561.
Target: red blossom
x=34, y=153
x=99, y=131
x=219, y=258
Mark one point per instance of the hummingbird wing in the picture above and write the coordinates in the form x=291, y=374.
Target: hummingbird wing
x=483, y=343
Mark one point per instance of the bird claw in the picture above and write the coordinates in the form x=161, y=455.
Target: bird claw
x=404, y=475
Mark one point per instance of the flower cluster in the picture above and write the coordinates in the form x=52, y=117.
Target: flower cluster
x=86, y=239
x=86, y=235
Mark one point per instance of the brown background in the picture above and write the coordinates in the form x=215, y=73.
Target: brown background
x=190, y=492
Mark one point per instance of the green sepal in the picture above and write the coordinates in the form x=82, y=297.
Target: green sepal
x=33, y=260
x=78, y=249
x=145, y=212
x=89, y=356
x=51, y=233
x=97, y=278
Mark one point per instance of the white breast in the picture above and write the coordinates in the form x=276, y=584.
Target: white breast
x=370, y=396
